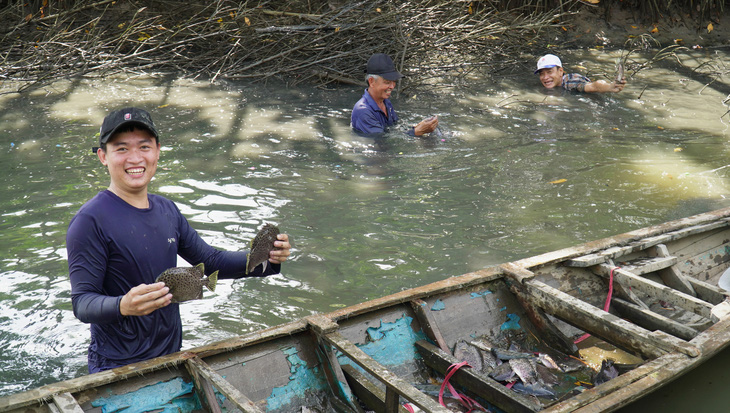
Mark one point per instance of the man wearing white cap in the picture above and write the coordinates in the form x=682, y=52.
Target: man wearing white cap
x=550, y=70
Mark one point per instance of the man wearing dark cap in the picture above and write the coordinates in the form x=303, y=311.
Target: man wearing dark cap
x=374, y=112
x=123, y=238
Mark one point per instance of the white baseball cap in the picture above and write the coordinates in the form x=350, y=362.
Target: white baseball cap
x=548, y=61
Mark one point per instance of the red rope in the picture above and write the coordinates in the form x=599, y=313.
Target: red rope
x=606, y=305
x=466, y=401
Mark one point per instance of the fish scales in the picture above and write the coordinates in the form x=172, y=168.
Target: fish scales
x=260, y=247
x=465, y=352
x=186, y=283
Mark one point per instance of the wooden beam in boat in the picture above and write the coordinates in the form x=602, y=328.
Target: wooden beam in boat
x=365, y=390
x=657, y=290
x=624, y=381
x=203, y=375
x=589, y=260
x=333, y=372
x=550, y=333
x=517, y=273
x=65, y=403
x=478, y=384
x=428, y=323
x=394, y=384
x=653, y=321
x=605, y=325
x=672, y=276
x=708, y=292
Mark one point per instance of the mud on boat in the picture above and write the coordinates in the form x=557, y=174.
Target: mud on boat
x=588, y=328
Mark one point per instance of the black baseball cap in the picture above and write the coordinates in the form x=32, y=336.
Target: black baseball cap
x=382, y=65
x=123, y=117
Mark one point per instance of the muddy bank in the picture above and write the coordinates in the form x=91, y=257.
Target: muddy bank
x=317, y=41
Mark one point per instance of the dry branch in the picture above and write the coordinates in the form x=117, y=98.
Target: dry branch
x=312, y=41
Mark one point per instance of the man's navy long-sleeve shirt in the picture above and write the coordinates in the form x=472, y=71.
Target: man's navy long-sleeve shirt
x=112, y=247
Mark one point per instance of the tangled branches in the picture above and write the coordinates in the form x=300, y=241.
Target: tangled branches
x=315, y=41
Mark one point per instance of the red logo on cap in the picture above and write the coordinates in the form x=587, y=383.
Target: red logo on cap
x=127, y=116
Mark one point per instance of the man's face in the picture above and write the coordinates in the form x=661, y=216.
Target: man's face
x=551, y=77
x=131, y=158
x=380, y=88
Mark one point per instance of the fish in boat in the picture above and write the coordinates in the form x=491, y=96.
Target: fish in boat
x=511, y=354
x=535, y=389
x=465, y=352
x=186, y=283
x=261, y=245
x=608, y=372
x=364, y=354
x=524, y=369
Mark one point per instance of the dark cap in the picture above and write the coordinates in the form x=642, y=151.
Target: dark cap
x=382, y=65
x=123, y=117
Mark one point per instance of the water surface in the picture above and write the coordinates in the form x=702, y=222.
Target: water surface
x=518, y=172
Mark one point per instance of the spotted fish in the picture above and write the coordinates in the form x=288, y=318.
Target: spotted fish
x=186, y=283
x=260, y=247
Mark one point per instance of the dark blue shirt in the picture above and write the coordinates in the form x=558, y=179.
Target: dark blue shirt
x=112, y=247
x=368, y=119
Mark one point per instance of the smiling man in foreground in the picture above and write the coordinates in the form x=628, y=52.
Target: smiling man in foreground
x=123, y=238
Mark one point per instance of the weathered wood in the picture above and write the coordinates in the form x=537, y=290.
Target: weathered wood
x=649, y=265
x=651, y=320
x=596, y=321
x=549, y=333
x=205, y=391
x=428, y=323
x=66, y=403
x=333, y=372
x=648, y=241
x=517, y=273
x=624, y=381
x=200, y=370
x=625, y=292
x=365, y=390
x=390, y=380
x=672, y=276
x=656, y=290
x=476, y=383
x=708, y=292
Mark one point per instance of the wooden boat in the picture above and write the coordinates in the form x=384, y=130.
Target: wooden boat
x=666, y=312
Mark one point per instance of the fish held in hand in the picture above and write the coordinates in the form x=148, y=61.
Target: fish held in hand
x=186, y=283
x=261, y=245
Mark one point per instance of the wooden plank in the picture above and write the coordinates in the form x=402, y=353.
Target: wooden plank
x=200, y=370
x=648, y=241
x=549, y=333
x=624, y=381
x=428, y=323
x=476, y=383
x=651, y=320
x=333, y=372
x=649, y=265
x=672, y=276
x=366, y=391
x=66, y=403
x=656, y=290
x=400, y=386
x=600, y=323
x=517, y=273
x=708, y=292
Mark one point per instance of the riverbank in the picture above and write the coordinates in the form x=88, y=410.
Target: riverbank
x=318, y=41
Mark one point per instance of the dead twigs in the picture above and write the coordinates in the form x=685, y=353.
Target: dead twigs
x=313, y=41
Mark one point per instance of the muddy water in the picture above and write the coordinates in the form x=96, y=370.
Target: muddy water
x=518, y=172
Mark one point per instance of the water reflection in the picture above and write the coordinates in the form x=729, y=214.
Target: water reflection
x=516, y=172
